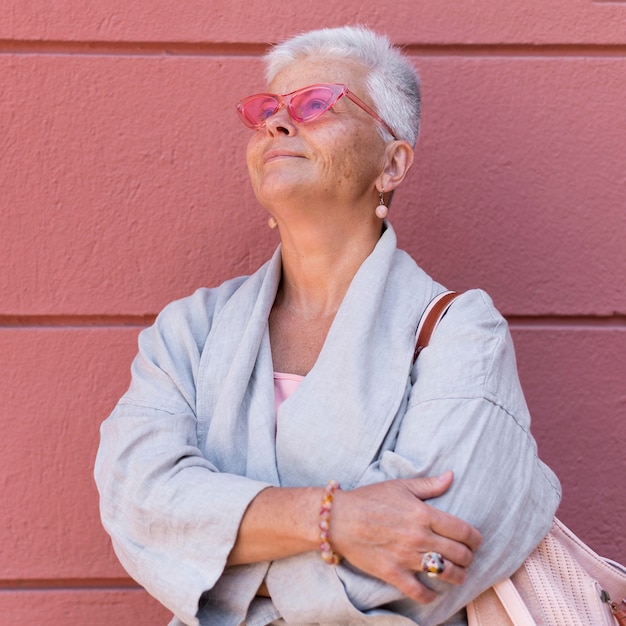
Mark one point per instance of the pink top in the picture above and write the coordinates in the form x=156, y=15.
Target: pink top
x=284, y=386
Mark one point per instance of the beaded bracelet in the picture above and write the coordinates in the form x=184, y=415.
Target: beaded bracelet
x=329, y=556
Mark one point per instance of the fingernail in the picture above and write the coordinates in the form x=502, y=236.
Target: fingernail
x=445, y=476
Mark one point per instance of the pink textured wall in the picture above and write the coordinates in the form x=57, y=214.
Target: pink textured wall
x=123, y=186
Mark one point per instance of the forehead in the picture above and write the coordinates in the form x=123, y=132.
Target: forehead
x=311, y=70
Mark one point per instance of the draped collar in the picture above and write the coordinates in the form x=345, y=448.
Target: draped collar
x=334, y=424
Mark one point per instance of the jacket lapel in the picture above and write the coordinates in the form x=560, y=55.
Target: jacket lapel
x=235, y=386
x=333, y=426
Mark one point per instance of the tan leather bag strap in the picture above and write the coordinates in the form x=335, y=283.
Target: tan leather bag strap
x=435, y=310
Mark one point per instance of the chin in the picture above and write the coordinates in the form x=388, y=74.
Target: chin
x=273, y=191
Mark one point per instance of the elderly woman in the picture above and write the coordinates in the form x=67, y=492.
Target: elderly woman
x=251, y=402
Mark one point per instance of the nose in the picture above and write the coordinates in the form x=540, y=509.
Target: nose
x=280, y=122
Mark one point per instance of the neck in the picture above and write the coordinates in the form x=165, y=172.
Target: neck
x=320, y=259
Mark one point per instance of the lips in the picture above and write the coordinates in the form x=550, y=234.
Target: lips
x=277, y=153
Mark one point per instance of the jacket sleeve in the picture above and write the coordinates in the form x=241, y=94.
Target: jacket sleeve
x=466, y=412
x=172, y=516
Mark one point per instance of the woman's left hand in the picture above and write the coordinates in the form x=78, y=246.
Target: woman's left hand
x=385, y=529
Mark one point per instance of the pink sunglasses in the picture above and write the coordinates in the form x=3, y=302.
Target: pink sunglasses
x=304, y=105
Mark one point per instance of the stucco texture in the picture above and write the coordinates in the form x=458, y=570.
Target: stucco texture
x=123, y=186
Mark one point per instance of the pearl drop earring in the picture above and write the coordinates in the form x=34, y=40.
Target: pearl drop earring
x=381, y=209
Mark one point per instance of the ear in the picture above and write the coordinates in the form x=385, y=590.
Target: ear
x=397, y=162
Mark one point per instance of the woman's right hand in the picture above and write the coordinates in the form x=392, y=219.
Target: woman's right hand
x=385, y=529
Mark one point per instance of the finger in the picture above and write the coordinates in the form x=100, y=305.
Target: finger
x=456, y=529
x=445, y=524
x=456, y=553
x=408, y=583
x=430, y=486
x=451, y=573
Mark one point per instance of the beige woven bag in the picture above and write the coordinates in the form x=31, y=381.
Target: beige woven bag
x=562, y=583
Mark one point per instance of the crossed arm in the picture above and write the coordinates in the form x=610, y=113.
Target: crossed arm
x=383, y=529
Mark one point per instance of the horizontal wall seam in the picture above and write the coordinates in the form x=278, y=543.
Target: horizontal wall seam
x=68, y=322
x=608, y=322
x=70, y=584
x=521, y=50
x=210, y=49
x=75, y=321
x=131, y=48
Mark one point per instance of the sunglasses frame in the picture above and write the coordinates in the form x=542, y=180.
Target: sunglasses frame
x=338, y=90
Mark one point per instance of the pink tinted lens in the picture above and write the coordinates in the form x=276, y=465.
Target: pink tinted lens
x=258, y=108
x=309, y=104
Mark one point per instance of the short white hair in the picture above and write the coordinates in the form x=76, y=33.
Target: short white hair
x=392, y=82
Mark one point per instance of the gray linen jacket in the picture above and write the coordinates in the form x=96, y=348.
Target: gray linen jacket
x=196, y=438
